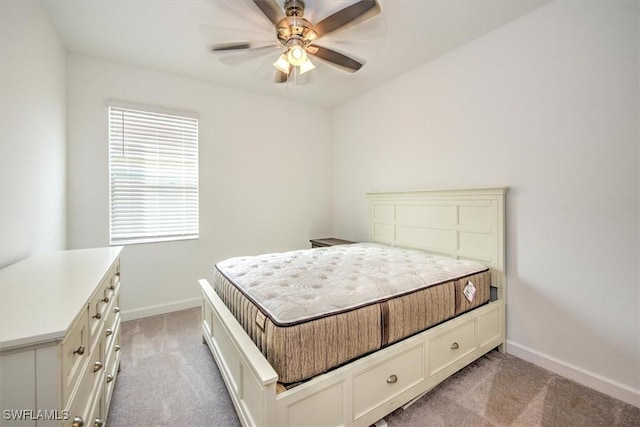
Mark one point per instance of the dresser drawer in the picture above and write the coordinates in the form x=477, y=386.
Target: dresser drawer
x=112, y=320
x=83, y=400
x=97, y=363
x=97, y=312
x=113, y=364
x=87, y=403
x=113, y=287
x=102, y=299
x=112, y=342
x=387, y=380
x=80, y=406
x=74, y=350
x=452, y=346
x=97, y=413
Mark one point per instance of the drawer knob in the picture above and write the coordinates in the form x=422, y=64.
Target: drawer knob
x=79, y=351
x=106, y=299
x=97, y=366
x=116, y=348
x=455, y=346
x=98, y=315
x=112, y=287
x=392, y=379
x=109, y=378
x=77, y=422
x=98, y=422
x=109, y=332
x=116, y=310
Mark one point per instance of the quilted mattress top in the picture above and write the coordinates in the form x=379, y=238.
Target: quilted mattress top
x=297, y=286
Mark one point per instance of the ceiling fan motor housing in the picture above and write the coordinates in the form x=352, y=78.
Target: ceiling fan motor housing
x=294, y=26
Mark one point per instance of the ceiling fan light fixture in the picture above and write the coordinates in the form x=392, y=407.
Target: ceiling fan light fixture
x=297, y=55
x=282, y=64
x=306, y=66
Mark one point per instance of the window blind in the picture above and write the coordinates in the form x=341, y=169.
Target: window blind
x=153, y=168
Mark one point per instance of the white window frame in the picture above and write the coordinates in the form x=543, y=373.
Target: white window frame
x=153, y=174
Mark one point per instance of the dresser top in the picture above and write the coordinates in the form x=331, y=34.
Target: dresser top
x=41, y=296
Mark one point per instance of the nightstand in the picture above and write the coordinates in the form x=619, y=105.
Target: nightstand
x=330, y=241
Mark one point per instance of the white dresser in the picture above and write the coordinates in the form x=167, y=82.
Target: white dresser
x=59, y=338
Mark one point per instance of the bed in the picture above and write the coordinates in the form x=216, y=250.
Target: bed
x=398, y=348
x=309, y=311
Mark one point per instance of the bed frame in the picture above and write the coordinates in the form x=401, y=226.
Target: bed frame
x=466, y=224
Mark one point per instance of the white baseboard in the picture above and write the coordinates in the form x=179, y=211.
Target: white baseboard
x=590, y=379
x=154, y=310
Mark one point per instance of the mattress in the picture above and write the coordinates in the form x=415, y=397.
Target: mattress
x=312, y=310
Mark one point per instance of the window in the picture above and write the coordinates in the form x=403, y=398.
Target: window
x=153, y=168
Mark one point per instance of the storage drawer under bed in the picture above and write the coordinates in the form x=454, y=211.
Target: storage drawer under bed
x=451, y=346
x=387, y=380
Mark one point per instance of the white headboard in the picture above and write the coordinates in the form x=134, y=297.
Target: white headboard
x=464, y=223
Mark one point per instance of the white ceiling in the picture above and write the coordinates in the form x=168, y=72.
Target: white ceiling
x=173, y=35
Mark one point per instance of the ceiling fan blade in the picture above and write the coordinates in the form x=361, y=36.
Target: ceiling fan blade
x=349, y=16
x=270, y=9
x=241, y=56
x=222, y=47
x=219, y=32
x=335, y=58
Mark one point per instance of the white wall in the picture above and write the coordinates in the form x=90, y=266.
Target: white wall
x=32, y=133
x=265, y=181
x=547, y=105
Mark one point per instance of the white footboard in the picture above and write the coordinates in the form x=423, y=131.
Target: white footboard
x=250, y=379
x=357, y=394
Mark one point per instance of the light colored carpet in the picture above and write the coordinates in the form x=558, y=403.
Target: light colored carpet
x=169, y=378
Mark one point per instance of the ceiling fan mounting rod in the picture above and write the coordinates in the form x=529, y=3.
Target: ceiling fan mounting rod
x=294, y=8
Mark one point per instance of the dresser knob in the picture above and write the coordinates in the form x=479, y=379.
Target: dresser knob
x=106, y=299
x=97, y=366
x=98, y=422
x=98, y=315
x=116, y=310
x=112, y=287
x=116, y=348
x=77, y=422
x=108, y=332
x=454, y=346
x=79, y=351
x=392, y=379
x=109, y=378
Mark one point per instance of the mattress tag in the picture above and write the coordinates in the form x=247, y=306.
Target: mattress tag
x=260, y=320
x=469, y=291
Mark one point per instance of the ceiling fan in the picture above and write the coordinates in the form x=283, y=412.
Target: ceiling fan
x=297, y=36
